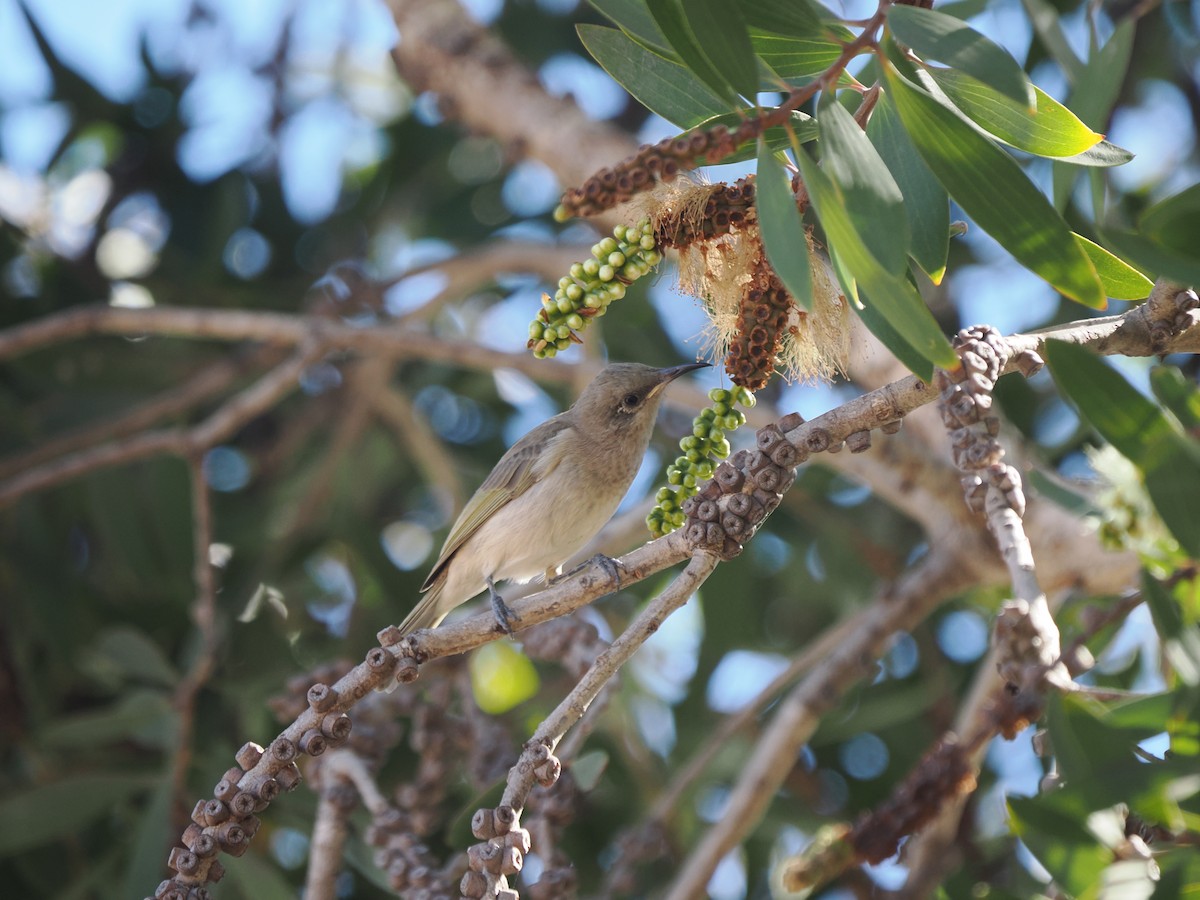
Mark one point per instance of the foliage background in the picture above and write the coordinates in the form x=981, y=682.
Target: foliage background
x=266, y=156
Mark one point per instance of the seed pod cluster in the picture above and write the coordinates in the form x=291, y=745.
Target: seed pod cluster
x=744, y=490
x=706, y=442
x=727, y=207
x=965, y=399
x=653, y=163
x=591, y=286
x=761, y=326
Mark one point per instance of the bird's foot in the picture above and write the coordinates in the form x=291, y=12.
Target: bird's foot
x=611, y=568
x=505, y=617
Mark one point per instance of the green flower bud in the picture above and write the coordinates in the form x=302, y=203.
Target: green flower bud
x=689, y=481
x=549, y=304
x=632, y=271
x=689, y=443
x=706, y=415
x=700, y=429
x=619, y=232
x=694, y=456
x=591, y=268
x=647, y=242
x=616, y=290
x=575, y=321
x=577, y=271
x=646, y=227
x=744, y=397
x=738, y=417
x=535, y=330
x=720, y=408
x=562, y=332
x=564, y=281
x=716, y=435
x=704, y=469
x=593, y=301
x=564, y=343
x=674, y=477
x=616, y=259
x=651, y=257
x=550, y=333
x=663, y=494
x=565, y=306
x=606, y=273
x=574, y=292
x=719, y=395
x=721, y=449
x=607, y=246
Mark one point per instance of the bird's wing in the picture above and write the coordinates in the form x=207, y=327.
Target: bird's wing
x=532, y=457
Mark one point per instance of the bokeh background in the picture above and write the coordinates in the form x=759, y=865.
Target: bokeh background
x=264, y=154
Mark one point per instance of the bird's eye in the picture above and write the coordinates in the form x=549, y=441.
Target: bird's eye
x=631, y=400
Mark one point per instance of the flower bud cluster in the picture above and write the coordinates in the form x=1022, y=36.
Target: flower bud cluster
x=653, y=163
x=591, y=286
x=728, y=207
x=409, y=864
x=743, y=491
x=965, y=400
x=706, y=441
x=761, y=325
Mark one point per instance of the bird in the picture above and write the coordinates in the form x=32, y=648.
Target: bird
x=548, y=495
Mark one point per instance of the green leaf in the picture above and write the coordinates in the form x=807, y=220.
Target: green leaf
x=122, y=654
x=792, y=57
x=721, y=33
x=925, y=202
x=256, y=876
x=1059, y=840
x=1097, y=91
x=895, y=298
x=1178, y=394
x=1048, y=26
x=501, y=677
x=1151, y=256
x=995, y=192
x=151, y=841
x=1120, y=280
x=1139, y=430
x=145, y=716
x=1180, y=639
x=914, y=361
x=662, y=86
x=632, y=17
x=62, y=808
x=1174, y=222
x=1104, y=155
x=934, y=35
x=796, y=18
x=866, y=187
x=1048, y=129
x=782, y=229
x=669, y=16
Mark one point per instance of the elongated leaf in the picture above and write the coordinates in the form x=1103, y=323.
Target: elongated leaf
x=994, y=191
x=669, y=16
x=633, y=17
x=925, y=202
x=1178, y=394
x=1151, y=256
x=721, y=33
x=1180, y=639
x=950, y=40
x=782, y=229
x=867, y=188
x=61, y=808
x=1138, y=429
x=662, y=86
x=797, y=18
x=795, y=57
x=893, y=296
x=1121, y=281
x=1049, y=129
x=1103, y=155
x=900, y=348
x=1048, y=26
x=1059, y=840
x=1175, y=221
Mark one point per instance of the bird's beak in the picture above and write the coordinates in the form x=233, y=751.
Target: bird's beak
x=666, y=376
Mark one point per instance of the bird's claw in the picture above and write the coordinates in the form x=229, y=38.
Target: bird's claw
x=505, y=617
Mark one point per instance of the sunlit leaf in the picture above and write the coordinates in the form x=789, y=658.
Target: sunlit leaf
x=1048, y=26
x=1174, y=222
x=1049, y=129
x=672, y=21
x=1103, y=155
x=934, y=35
x=662, y=86
x=795, y=57
x=501, y=677
x=782, y=229
x=1120, y=280
x=925, y=202
x=866, y=187
x=1180, y=639
x=895, y=298
x=721, y=33
x=1152, y=257
x=1178, y=394
x=1139, y=430
x=996, y=193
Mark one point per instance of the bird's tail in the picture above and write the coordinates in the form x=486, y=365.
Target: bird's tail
x=426, y=614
